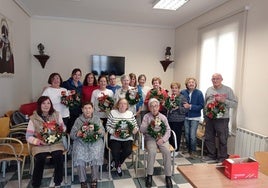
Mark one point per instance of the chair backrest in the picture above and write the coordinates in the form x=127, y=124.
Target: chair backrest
x=262, y=158
x=4, y=126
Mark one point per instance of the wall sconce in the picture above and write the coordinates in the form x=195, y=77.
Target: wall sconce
x=42, y=57
x=165, y=63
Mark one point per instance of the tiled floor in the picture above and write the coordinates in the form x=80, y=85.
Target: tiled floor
x=129, y=179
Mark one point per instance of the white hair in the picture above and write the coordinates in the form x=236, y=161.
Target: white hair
x=153, y=100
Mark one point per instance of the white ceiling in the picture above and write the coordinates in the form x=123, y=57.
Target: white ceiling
x=136, y=12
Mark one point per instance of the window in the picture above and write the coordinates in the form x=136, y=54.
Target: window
x=221, y=51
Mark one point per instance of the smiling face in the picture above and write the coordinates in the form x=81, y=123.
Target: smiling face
x=45, y=106
x=55, y=82
x=154, y=108
x=76, y=76
x=175, y=90
x=90, y=79
x=122, y=105
x=216, y=80
x=103, y=83
x=191, y=84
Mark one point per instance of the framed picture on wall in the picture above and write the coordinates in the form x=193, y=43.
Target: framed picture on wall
x=6, y=49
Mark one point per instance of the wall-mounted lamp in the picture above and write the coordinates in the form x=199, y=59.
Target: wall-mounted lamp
x=42, y=57
x=165, y=63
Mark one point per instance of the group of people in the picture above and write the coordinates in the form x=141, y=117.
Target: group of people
x=89, y=110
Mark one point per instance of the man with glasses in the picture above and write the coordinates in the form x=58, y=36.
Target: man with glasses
x=219, y=99
x=112, y=83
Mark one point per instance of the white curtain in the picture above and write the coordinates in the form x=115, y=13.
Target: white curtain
x=221, y=47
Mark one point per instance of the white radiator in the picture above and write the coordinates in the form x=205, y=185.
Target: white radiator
x=247, y=142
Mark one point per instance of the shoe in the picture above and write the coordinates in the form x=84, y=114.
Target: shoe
x=176, y=153
x=193, y=155
x=169, y=182
x=119, y=170
x=94, y=184
x=83, y=185
x=209, y=160
x=112, y=164
x=149, y=181
x=57, y=185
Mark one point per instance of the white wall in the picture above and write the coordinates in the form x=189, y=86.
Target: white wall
x=71, y=43
x=253, y=100
x=17, y=89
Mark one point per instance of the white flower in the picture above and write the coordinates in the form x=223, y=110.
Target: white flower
x=51, y=139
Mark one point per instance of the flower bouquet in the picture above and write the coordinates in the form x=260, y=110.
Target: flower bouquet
x=215, y=109
x=156, y=94
x=172, y=102
x=106, y=103
x=89, y=132
x=51, y=132
x=156, y=128
x=133, y=96
x=123, y=129
x=72, y=100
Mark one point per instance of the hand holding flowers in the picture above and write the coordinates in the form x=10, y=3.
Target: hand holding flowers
x=89, y=132
x=51, y=133
x=72, y=100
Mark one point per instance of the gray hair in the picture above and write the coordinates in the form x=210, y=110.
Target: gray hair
x=152, y=100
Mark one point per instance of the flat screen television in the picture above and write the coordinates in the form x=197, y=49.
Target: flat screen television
x=102, y=64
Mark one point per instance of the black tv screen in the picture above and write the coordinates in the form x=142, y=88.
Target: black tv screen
x=102, y=64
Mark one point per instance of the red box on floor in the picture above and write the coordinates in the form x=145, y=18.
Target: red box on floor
x=241, y=168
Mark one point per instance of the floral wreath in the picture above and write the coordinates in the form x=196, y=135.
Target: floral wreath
x=106, y=103
x=156, y=94
x=172, y=102
x=72, y=100
x=89, y=132
x=123, y=133
x=156, y=123
x=133, y=99
x=51, y=132
x=215, y=109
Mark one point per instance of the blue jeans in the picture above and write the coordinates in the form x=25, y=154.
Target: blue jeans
x=190, y=127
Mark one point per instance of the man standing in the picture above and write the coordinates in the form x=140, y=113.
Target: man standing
x=112, y=83
x=219, y=99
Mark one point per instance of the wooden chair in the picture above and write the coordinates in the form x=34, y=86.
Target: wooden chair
x=65, y=153
x=9, y=153
x=5, y=131
x=171, y=148
x=135, y=152
x=262, y=158
x=200, y=135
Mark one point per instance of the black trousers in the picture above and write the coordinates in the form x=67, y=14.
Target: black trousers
x=120, y=150
x=177, y=128
x=39, y=163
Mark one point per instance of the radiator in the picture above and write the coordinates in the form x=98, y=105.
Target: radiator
x=247, y=142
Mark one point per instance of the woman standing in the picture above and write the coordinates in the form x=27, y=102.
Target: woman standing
x=157, y=92
x=195, y=104
x=73, y=84
x=176, y=113
x=89, y=85
x=45, y=121
x=54, y=92
x=122, y=126
x=100, y=97
x=121, y=92
x=144, y=90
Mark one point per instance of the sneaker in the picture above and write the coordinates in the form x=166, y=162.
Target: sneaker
x=176, y=153
x=209, y=160
x=112, y=164
x=193, y=155
x=119, y=170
